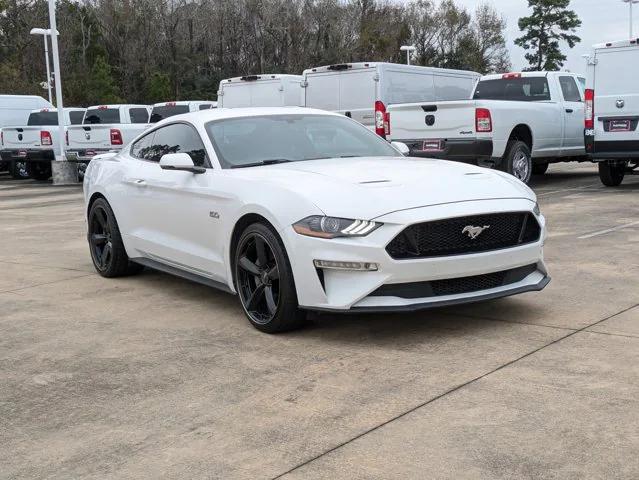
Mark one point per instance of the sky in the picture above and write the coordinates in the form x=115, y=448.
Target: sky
x=601, y=21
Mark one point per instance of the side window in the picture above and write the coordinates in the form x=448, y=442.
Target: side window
x=76, y=117
x=142, y=148
x=178, y=138
x=205, y=106
x=139, y=115
x=569, y=89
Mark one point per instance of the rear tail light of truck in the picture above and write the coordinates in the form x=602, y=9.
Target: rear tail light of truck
x=590, y=109
x=116, y=137
x=1, y=138
x=45, y=138
x=483, y=120
x=66, y=137
x=382, y=119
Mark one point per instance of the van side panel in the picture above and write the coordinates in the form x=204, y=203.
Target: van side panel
x=322, y=91
x=407, y=87
x=450, y=87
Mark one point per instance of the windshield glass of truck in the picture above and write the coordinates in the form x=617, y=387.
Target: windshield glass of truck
x=523, y=89
x=261, y=140
x=43, y=118
x=102, y=115
x=166, y=111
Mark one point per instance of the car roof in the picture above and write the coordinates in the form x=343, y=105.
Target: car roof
x=205, y=116
x=180, y=102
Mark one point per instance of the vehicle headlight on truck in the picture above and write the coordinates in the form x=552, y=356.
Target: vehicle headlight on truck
x=333, y=227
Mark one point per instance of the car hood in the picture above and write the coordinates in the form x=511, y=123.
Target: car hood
x=369, y=187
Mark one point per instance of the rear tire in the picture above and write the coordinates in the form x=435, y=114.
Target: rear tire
x=264, y=281
x=518, y=160
x=18, y=169
x=540, y=168
x=39, y=170
x=612, y=173
x=105, y=243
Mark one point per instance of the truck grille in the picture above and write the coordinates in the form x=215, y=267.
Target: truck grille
x=453, y=236
x=455, y=286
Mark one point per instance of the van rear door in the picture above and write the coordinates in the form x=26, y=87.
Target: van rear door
x=617, y=95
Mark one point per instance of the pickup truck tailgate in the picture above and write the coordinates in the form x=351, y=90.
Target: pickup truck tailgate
x=89, y=136
x=441, y=120
x=20, y=137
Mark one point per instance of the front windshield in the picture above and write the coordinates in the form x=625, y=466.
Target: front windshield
x=245, y=141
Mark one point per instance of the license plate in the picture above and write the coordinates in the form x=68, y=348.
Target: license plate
x=22, y=153
x=619, y=125
x=432, y=146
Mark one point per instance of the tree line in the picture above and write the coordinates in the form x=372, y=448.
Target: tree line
x=145, y=51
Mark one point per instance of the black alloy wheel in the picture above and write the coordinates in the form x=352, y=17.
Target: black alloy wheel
x=264, y=281
x=100, y=239
x=105, y=243
x=258, y=278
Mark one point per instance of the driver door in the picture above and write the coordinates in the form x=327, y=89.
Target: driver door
x=177, y=210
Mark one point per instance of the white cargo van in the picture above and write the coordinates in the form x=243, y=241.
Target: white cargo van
x=15, y=110
x=260, y=91
x=362, y=91
x=612, y=109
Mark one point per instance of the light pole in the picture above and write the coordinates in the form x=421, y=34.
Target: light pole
x=411, y=48
x=58, y=82
x=630, y=2
x=44, y=32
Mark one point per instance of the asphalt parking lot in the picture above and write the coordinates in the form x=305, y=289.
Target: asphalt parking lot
x=156, y=377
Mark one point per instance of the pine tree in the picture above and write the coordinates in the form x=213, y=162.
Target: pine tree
x=101, y=84
x=550, y=23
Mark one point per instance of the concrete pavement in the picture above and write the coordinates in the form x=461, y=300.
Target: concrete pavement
x=156, y=377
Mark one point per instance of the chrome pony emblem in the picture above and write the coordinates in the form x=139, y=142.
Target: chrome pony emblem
x=620, y=103
x=474, y=232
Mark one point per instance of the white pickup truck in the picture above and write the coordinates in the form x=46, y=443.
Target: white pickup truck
x=32, y=146
x=105, y=128
x=517, y=122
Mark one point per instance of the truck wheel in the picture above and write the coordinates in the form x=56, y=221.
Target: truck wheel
x=540, y=168
x=39, y=170
x=518, y=160
x=612, y=173
x=18, y=170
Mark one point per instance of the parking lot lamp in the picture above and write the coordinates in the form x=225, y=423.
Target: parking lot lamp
x=59, y=155
x=630, y=2
x=44, y=32
x=410, y=48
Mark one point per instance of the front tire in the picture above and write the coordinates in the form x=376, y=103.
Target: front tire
x=518, y=160
x=105, y=243
x=612, y=173
x=264, y=281
x=39, y=170
x=18, y=169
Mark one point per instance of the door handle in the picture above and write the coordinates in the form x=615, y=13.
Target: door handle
x=136, y=181
x=569, y=110
x=139, y=181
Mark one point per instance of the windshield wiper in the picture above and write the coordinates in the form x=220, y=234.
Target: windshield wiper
x=270, y=161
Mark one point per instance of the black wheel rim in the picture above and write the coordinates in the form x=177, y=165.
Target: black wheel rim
x=100, y=238
x=21, y=168
x=258, y=278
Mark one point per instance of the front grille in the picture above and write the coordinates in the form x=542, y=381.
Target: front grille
x=455, y=286
x=452, y=236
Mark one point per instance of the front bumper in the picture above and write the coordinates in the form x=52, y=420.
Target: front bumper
x=344, y=290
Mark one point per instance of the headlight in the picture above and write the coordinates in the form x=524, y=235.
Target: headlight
x=536, y=210
x=332, y=227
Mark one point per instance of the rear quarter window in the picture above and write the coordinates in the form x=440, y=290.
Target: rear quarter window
x=76, y=117
x=139, y=115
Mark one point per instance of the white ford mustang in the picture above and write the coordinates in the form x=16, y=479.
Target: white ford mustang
x=297, y=209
